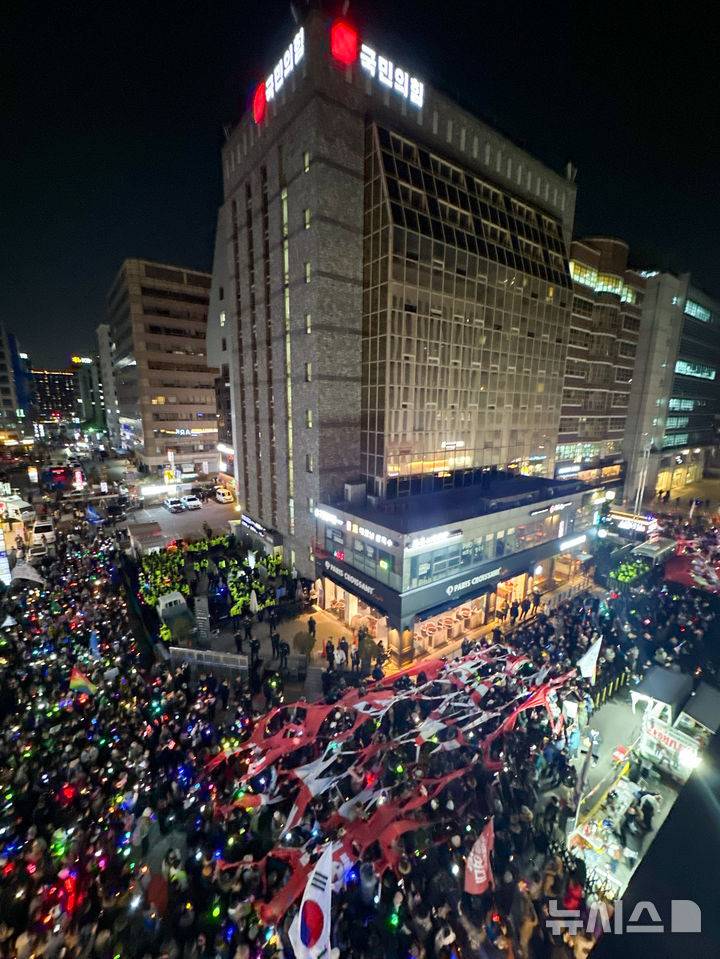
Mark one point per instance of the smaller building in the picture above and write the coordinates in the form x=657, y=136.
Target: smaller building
x=157, y=315
x=107, y=380
x=90, y=390
x=422, y=571
x=56, y=399
x=674, y=414
x=604, y=327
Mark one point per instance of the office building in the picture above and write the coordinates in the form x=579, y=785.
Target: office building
x=604, y=327
x=56, y=399
x=107, y=380
x=674, y=414
x=392, y=296
x=90, y=390
x=8, y=398
x=157, y=314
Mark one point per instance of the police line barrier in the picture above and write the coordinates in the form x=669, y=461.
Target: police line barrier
x=230, y=662
x=611, y=687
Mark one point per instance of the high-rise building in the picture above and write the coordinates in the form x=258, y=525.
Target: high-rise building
x=392, y=296
x=157, y=316
x=56, y=399
x=90, y=390
x=604, y=326
x=16, y=387
x=674, y=414
x=107, y=380
x=8, y=398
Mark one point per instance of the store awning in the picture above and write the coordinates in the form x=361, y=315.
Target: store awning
x=704, y=707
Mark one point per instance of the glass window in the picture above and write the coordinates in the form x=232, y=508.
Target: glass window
x=308, y=323
x=308, y=272
x=306, y=217
x=308, y=419
x=306, y=161
x=699, y=370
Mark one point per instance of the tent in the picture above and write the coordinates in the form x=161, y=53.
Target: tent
x=704, y=707
x=24, y=571
x=656, y=550
x=664, y=691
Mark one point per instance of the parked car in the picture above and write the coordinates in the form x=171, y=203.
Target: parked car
x=43, y=532
x=173, y=504
x=202, y=492
x=36, y=553
x=115, y=513
x=224, y=495
x=190, y=502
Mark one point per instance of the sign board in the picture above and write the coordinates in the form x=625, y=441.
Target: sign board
x=5, y=489
x=33, y=474
x=103, y=486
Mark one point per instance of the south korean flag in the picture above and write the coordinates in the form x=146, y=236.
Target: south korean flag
x=310, y=929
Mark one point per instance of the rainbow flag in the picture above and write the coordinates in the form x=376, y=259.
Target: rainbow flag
x=79, y=683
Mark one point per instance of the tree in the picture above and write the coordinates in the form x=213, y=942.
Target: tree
x=303, y=643
x=368, y=649
x=182, y=632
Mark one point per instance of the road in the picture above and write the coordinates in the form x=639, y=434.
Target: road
x=189, y=523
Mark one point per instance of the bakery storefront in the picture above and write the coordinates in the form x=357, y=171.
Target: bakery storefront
x=427, y=618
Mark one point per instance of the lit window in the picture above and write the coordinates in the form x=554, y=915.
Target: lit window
x=306, y=161
x=308, y=419
x=308, y=372
x=306, y=215
x=308, y=323
x=697, y=312
x=307, y=272
x=698, y=370
x=158, y=401
x=309, y=463
x=222, y=318
x=311, y=504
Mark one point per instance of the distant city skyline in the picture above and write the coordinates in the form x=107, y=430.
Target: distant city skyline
x=120, y=159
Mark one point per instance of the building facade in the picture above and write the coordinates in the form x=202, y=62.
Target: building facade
x=8, y=397
x=90, y=390
x=674, y=414
x=391, y=292
x=604, y=328
x=56, y=398
x=107, y=379
x=157, y=314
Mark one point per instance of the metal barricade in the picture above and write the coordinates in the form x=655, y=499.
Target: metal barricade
x=209, y=659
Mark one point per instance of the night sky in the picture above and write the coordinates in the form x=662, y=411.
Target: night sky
x=116, y=113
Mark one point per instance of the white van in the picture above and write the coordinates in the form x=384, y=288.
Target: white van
x=223, y=495
x=43, y=532
x=19, y=510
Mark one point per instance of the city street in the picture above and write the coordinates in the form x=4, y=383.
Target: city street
x=189, y=522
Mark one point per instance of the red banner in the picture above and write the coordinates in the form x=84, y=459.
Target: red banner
x=478, y=871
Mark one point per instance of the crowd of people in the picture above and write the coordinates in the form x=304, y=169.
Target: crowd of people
x=145, y=812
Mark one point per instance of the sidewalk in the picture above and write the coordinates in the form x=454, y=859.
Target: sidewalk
x=329, y=627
